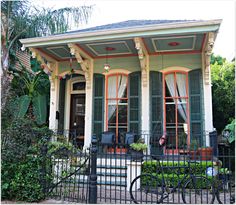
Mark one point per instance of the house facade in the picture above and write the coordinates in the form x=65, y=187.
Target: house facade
x=150, y=77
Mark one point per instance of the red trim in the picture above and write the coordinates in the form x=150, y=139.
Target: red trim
x=48, y=54
x=175, y=52
x=116, y=56
x=89, y=54
x=117, y=100
x=176, y=151
x=203, y=41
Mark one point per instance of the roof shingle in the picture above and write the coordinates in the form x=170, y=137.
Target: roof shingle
x=129, y=24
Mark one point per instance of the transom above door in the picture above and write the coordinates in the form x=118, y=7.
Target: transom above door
x=117, y=104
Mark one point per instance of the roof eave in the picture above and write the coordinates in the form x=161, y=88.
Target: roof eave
x=210, y=25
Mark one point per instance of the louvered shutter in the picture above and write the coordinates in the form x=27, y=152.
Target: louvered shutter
x=156, y=110
x=195, y=87
x=134, y=101
x=98, y=104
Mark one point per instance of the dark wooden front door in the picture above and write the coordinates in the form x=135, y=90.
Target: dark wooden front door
x=77, y=117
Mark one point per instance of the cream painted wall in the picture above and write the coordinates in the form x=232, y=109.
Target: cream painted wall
x=65, y=66
x=191, y=61
x=128, y=63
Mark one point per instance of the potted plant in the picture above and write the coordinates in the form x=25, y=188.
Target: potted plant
x=193, y=149
x=205, y=153
x=136, y=150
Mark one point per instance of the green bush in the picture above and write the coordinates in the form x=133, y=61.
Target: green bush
x=21, y=161
x=174, y=171
x=177, y=167
x=21, y=181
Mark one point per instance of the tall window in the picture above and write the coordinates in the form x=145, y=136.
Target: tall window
x=176, y=109
x=117, y=103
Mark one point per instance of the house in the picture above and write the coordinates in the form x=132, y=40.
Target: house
x=147, y=76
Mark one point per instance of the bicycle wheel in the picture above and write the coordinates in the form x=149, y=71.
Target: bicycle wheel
x=225, y=193
x=146, y=189
x=198, y=190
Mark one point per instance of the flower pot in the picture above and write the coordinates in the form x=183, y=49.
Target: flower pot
x=136, y=155
x=193, y=154
x=205, y=153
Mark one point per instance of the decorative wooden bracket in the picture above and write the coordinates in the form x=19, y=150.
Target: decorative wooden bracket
x=84, y=60
x=208, y=52
x=143, y=58
x=48, y=63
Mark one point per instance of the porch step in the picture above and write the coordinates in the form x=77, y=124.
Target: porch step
x=84, y=181
x=112, y=174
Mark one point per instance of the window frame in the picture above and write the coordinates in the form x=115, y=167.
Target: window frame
x=117, y=100
x=174, y=72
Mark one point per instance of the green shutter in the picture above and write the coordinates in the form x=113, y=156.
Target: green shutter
x=195, y=85
x=61, y=104
x=98, y=104
x=156, y=101
x=134, y=101
x=156, y=111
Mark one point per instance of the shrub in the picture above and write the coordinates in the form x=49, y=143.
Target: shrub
x=178, y=167
x=174, y=171
x=21, y=161
x=21, y=181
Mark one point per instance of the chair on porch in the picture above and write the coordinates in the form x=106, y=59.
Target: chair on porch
x=108, y=140
x=130, y=137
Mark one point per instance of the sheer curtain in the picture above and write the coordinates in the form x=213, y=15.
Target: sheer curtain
x=111, y=94
x=181, y=87
x=122, y=84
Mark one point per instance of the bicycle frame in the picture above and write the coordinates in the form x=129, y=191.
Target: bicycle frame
x=186, y=176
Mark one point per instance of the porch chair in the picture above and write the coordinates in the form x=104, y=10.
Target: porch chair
x=108, y=140
x=130, y=137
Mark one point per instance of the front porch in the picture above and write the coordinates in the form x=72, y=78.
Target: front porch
x=151, y=79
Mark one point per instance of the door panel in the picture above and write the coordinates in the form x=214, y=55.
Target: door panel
x=77, y=117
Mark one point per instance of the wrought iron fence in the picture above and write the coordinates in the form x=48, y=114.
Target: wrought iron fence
x=117, y=175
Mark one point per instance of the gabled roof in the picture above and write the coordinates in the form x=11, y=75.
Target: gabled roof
x=130, y=24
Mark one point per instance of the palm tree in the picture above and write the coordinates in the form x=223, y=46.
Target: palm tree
x=19, y=19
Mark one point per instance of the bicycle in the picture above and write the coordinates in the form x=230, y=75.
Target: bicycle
x=147, y=188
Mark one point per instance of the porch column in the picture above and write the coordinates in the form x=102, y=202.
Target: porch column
x=145, y=106
x=207, y=86
x=54, y=93
x=88, y=106
x=144, y=64
x=86, y=63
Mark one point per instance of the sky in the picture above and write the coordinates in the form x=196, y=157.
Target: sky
x=112, y=11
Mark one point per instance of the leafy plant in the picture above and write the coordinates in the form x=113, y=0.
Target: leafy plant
x=223, y=89
x=34, y=96
x=229, y=132
x=138, y=146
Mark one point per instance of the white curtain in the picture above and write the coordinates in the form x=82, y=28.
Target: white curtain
x=181, y=87
x=111, y=94
x=122, y=84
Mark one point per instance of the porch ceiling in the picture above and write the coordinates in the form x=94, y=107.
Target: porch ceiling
x=126, y=47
